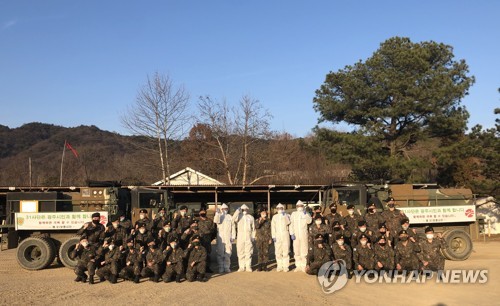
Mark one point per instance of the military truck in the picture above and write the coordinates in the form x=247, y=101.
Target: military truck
x=450, y=211
x=42, y=222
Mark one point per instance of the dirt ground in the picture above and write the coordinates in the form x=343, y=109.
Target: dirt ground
x=55, y=286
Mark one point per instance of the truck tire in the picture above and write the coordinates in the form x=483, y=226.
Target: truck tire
x=65, y=250
x=459, y=245
x=35, y=253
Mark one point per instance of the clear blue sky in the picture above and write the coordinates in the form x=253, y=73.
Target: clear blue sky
x=81, y=62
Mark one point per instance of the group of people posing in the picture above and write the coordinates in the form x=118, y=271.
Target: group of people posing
x=175, y=248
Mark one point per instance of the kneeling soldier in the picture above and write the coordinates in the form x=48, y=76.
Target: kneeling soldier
x=384, y=255
x=364, y=257
x=342, y=251
x=85, y=253
x=109, y=267
x=197, y=260
x=319, y=254
x=174, y=258
x=133, y=263
x=153, y=260
x=430, y=251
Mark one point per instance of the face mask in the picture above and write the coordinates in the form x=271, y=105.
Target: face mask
x=203, y=215
x=173, y=245
x=111, y=247
x=300, y=209
x=405, y=227
x=391, y=205
x=167, y=229
x=340, y=242
x=318, y=242
x=382, y=243
x=382, y=231
x=318, y=222
x=333, y=210
x=152, y=248
x=244, y=212
x=95, y=222
x=362, y=229
x=363, y=242
x=429, y=236
x=183, y=213
x=122, y=218
x=336, y=228
x=142, y=231
x=162, y=214
x=403, y=238
x=130, y=246
x=142, y=216
x=84, y=244
x=115, y=225
x=224, y=211
x=371, y=210
x=196, y=243
x=351, y=212
x=280, y=211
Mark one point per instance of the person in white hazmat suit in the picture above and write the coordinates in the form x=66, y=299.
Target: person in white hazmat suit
x=246, y=236
x=226, y=233
x=299, y=221
x=281, y=238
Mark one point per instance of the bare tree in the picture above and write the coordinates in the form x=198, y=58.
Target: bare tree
x=160, y=112
x=234, y=132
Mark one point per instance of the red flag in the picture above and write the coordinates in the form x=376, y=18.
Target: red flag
x=72, y=149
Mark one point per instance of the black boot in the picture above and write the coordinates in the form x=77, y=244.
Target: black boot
x=178, y=279
x=78, y=278
x=113, y=279
x=259, y=267
x=102, y=279
x=202, y=278
x=136, y=279
x=91, y=279
x=156, y=279
x=264, y=267
x=84, y=278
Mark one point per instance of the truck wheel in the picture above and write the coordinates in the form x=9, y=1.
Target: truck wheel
x=65, y=251
x=459, y=245
x=35, y=253
x=57, y=247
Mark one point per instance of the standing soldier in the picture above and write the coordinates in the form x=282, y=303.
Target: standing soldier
x=143, y=220
x=384, y=255
x=412, y=233
x=124, y=222
x=281, y=237
x=174, y=259
x=166, y=235
x=393, y=217
x=361, y=230
x=334, y=216
x=319, y=227
x=153, y=260
x=246, y=236
x=85, y=253
x=207, y=232
x=319, y=254
x=363, y=255
x=373, y=218
x=337, y=229
x=93, y=231
x=352, y=219
x=116, y=232
x=110, y=266
x=181, y=221
x=142, y=236
x=133, y=263
x=226, y=233
x=342, y=251
x=317, y=212
x=197, y=259
x=299, y=222
x=430, y=251
x=406, y=254
x=160, y=219
x=263, y=239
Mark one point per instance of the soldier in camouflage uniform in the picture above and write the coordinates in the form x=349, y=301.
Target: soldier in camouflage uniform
x=363, y=254
x=393, y=217
x=412, y=233
x=124, y=222
x=160, y=219
x=406, y=253
x=182, y=221
x=93, y=231
x=334, y=216
x=338, y=230
x=207, y=231
x=430, y=251
x=85, y=253
x=384, y=255
x=110, y=266
x=166, y=235
x=153, y=260
x=352, y=219
x=141, y=236
x=319, y=227
x=342, y=251
x=133, y=262
x=373, y=218
x=319, y=253
x=174, y=260
x=361, y=230
x=197, y=258
x=143, y=221
x=116, y=232
x=263, y=239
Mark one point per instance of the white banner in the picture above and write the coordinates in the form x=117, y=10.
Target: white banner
x=56, y=220
x=440, y=214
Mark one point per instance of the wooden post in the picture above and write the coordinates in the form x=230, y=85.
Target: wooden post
x=269, y=201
